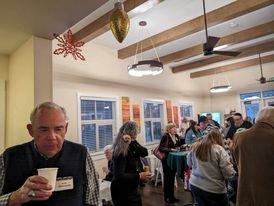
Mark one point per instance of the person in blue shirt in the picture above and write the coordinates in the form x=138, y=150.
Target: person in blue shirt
x=192, y=133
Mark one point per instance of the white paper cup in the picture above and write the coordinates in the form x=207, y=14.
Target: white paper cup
x=50, y=174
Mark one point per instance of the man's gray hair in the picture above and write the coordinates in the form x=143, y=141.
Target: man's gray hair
x=266, y=114
x=46, y=105
x=107, y=147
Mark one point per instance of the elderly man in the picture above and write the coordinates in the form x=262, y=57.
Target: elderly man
x=19, y=182
x=108, y=170
x=253, y=151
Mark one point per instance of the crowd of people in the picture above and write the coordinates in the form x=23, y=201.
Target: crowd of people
x=229, y=165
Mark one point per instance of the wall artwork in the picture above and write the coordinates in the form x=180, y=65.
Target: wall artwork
x=175, y=116
x=136, y=115
x=169, y=111
x=125, y=109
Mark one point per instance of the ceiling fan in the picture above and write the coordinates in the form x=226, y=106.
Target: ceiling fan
x=263, y=80
x=211, y=41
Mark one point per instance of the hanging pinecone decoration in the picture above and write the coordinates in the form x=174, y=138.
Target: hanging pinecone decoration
x=119, y=22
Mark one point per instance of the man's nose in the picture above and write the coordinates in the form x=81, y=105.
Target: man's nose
x=52, y=135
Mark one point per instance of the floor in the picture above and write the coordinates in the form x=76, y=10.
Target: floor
x=153, y=196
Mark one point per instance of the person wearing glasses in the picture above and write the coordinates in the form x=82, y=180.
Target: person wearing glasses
x=19, y=182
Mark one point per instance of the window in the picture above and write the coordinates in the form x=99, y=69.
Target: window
x=215, y=116
x=153, y=118
x=250, y=96
x=252, y=102
x=97, y=122
x=186, y=110
x=268, y=93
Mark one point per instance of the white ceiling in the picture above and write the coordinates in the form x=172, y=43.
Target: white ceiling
x=175, y=12
x=21, y=19
x=258, y=17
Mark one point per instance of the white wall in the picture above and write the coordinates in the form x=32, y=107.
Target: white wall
x=95, y=77
x=104, y=75
x=28, y=81
x=4, y=66
x=223, y=103
x=42, y=70
x=20, y=93
x=2, y=114
x=67, y=88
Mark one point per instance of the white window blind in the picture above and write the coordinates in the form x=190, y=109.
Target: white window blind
x=97, y=122
x=153, y=118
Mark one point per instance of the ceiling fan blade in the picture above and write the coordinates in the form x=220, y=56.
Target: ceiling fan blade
x=227, y=53
x=211, y=42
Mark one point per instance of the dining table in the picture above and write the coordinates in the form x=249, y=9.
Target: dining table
x=177, y=161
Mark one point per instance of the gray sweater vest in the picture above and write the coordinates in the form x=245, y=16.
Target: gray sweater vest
x=22, y=161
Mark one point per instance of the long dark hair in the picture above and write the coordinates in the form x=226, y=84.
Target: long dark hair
x=120, y=147
x=192, y=125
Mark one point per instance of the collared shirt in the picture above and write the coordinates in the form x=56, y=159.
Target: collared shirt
x=173, y=137
x=92, y=192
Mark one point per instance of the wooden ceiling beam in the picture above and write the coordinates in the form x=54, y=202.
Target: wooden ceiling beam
x=230, y=11
x=248, y=51
x=231, y=67
x=245, y=35
x=101, y=25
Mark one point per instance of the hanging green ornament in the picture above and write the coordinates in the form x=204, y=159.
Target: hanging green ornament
x=119, y=22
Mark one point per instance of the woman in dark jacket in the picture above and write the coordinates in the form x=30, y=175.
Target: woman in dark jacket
x=169, y=142
x=126, y=177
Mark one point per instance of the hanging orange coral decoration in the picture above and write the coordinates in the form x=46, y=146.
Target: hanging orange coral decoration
x=119, y=22
x=68, y=46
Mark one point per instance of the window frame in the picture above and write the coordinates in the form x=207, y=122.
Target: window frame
x=114, y=121
x=262, y=100
x=161, y=119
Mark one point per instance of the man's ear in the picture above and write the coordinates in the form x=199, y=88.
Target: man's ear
x=66, y=127
x=30, y=129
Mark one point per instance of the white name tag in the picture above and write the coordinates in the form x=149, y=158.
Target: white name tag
x=64, y=183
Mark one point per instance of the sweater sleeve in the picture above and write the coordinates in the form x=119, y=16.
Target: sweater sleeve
x=140, y=151
x=119, y=170
x=189, y=159
x=225, y=165
x=3, y=198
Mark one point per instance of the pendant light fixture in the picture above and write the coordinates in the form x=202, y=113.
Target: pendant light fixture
x=220, y=88
x=119, y=22
x=141, y=67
